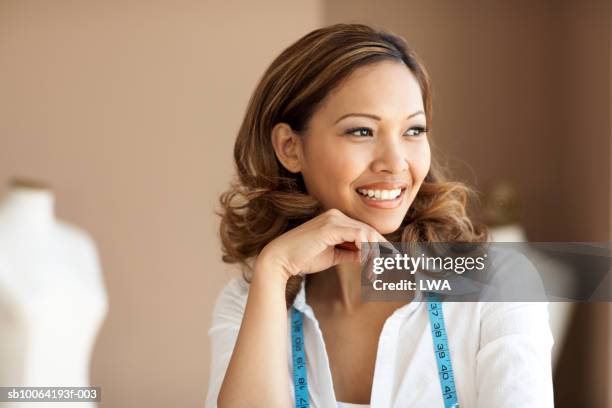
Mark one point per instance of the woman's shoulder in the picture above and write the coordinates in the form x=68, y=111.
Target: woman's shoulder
x=512, y=286
x=236, y=286
x=517, y=301
x=231, y=300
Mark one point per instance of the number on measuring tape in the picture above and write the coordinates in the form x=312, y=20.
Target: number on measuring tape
x=300, y=382
x=441, y=351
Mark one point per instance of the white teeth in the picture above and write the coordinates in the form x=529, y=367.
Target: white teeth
x=381, y=194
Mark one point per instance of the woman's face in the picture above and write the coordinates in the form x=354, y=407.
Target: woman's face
x=365, y=152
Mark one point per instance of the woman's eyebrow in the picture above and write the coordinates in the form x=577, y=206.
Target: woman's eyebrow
x=369, y=115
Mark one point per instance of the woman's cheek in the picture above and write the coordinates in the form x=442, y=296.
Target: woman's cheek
x=336, y=174
x=422, y=161
x=324, y=180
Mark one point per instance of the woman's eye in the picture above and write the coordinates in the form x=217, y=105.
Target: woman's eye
x=416, y=131
x=361, y=131
x=364, y=131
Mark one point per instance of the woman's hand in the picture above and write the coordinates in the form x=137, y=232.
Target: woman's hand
x=312, y=247
x=321, y=243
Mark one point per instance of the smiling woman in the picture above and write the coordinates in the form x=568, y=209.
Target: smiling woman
x=269, y=197
x=380, y=150
x=335, y=149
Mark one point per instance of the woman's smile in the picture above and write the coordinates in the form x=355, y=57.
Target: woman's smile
x=382, y=195
x=372, y=175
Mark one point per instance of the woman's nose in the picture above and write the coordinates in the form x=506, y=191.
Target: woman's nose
x=390, y=158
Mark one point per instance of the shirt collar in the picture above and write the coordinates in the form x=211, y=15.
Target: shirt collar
x=300, y=299
x=300, y=303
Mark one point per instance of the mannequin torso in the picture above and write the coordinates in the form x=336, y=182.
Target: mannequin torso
x=53, y=298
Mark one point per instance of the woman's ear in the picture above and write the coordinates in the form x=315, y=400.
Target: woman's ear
x=287, y=146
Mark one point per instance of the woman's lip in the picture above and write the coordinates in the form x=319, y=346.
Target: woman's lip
x=387, y=204
x=382, y=186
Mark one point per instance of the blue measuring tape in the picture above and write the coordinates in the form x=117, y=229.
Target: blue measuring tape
x=300, y=382
x=441, y=351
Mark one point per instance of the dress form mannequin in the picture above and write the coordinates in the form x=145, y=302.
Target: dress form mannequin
x=501, y=209
x=52, y=295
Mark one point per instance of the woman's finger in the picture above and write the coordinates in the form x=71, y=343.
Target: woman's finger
x=343, y=256
x=371, y=232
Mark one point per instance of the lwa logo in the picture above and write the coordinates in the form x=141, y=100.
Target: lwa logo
x=405, y=284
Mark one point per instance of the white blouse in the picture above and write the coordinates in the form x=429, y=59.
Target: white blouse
x=500, y=351
x=349, y=405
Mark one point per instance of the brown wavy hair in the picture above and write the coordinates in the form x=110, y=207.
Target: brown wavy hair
x=266, y=200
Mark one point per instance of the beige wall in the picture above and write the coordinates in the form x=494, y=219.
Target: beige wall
x=130, y=109
x=586, y=167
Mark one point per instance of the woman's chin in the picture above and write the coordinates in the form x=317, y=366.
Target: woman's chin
x=388, y=230
x=384, y=226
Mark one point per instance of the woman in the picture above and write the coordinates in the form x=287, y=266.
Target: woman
x=334, y=151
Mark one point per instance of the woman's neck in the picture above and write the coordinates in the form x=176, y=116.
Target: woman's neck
x=338, y=287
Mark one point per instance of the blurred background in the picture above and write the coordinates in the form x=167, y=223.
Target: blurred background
x=127, y=111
